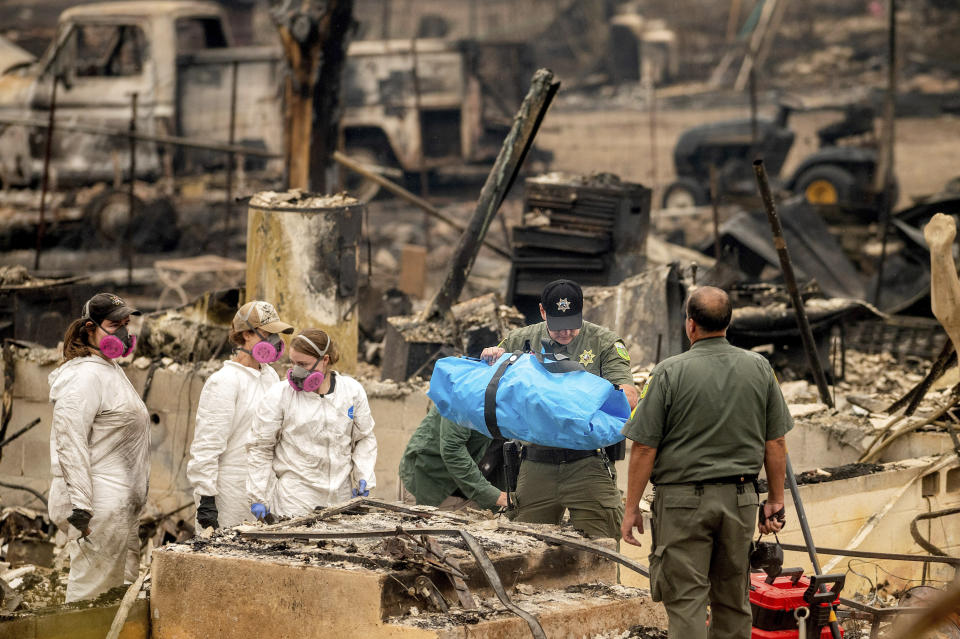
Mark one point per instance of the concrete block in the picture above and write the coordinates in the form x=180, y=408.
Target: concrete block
x=814, y=447
x=917, y=445
x=36, y=460
x=171, y=390
x=30, y=380
x=12, y=461
x=212, y=597
x=24, y=412
x=78, y=623
x=396, y=418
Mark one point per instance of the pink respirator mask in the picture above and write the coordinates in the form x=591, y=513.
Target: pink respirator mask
x=307, y=379
x=117, y=344
x=269, y=349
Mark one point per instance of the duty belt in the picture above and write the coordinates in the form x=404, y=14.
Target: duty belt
x=546, y=455
x=730, y=479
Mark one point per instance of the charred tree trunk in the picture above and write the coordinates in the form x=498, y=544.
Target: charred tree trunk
x=315, y=36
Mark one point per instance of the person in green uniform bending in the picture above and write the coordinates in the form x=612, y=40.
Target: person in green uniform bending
x=444, y=465
x=706, y=421
x=555, y=480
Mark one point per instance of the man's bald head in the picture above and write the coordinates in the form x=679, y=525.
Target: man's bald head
x=709, y=307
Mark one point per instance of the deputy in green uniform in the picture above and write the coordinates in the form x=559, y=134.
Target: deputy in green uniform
x=554, y=480
x=444, y=466
x=706, y=421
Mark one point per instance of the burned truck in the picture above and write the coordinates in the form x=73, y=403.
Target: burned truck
x=410, y=106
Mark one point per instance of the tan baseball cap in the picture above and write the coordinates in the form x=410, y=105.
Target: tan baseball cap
x=259, y=314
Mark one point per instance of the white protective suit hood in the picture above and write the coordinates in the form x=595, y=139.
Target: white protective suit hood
x=100, y=462
x=218, y=455
x=317, y=446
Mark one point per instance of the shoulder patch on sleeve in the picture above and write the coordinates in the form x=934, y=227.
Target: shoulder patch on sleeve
x=646, y=387
x=622, y=350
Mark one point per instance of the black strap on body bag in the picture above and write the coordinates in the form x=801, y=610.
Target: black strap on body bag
x=490, y=395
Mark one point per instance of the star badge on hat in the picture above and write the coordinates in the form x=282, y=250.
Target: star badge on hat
x=563, y=305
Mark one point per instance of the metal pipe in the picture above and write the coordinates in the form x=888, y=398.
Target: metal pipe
x=786, y=266
x=45, y=180
x=490, y=572
x=925, y=542
x=128, y=232
x=867, y=554
x=404, y=194
x=231, y=159
x=808, y=538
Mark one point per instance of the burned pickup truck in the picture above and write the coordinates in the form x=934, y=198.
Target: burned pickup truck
x=410, y=106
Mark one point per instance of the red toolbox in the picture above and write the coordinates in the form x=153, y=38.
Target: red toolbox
x=773, y=601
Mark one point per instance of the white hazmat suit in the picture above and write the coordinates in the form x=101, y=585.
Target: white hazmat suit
x=218, y=455
x=100, y=462
x=312, y=444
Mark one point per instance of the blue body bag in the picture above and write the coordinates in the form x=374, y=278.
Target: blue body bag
x=523, y=396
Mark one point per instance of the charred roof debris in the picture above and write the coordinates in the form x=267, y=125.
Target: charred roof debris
x=408, y=177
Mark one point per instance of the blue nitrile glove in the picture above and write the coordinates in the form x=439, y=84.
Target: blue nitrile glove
x=259, y=510
x=361, y=489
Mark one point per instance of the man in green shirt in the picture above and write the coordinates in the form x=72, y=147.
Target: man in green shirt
x=440, y=466
x=706, y=421
x=555, y=480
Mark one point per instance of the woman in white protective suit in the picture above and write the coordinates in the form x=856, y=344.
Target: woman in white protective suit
x=99, y=450
x=218, y=456
x=313, y=433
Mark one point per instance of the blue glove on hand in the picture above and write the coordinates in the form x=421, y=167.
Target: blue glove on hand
x=259, y=510
x=361, y=489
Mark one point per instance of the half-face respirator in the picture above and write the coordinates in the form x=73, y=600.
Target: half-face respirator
x=307, y=379
x=269, y=349
x=119, y=343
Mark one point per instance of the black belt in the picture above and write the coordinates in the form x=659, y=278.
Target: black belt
x=555, y=455
x=731, y=479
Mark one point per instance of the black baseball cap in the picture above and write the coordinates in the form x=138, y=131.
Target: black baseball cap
x=107, y=306
x=563, y=302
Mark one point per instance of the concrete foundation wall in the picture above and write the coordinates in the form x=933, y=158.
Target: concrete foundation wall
x=172, y=402
x=206, y=596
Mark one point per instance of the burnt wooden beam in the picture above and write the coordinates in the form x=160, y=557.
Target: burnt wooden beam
x=786, y=267
x=526, y=123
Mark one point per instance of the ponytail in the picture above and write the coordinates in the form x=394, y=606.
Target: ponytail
x=76, y=341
